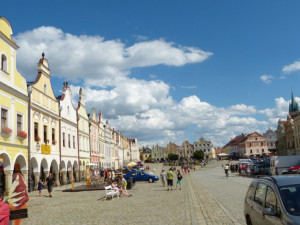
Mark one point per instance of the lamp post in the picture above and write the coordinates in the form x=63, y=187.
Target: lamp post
x=29, y=137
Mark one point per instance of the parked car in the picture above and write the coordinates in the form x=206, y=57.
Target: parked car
x=141, y=176
x=294, y=169
x=273, y=200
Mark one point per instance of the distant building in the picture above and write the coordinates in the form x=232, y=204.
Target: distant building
x=253, y=144
x=170, y=148
x=146, y=154
x=186, y=150
x=206, y=147
x=157, y=153
x=271, y=137
x=232, y=147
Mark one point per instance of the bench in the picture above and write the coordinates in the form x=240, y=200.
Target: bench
x=110, y=192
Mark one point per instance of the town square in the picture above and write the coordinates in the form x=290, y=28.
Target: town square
x=149, y=112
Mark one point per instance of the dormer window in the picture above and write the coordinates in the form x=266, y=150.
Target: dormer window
x=4, y=63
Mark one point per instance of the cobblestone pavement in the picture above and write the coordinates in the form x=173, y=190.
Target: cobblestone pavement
x=149, y=204
x=230, y=193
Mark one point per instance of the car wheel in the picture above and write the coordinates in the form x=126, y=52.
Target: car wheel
x=248, y=220
x=150, y=180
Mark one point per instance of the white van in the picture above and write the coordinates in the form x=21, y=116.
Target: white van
x=280, y=164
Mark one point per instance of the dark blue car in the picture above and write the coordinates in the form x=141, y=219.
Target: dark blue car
x=141, y=176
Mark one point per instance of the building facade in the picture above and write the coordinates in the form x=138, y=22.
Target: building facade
x=83, y=134
x=14, y=112
x=254, y=144
x=94, y=138
x=44, y=120
x=69, y=157
x=271, y=137
x=206, y=147
x=157, y=153
x=185, y=150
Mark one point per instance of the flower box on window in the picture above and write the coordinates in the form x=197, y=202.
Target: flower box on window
x=22, y=134
x=37, y=138
x=6, y=130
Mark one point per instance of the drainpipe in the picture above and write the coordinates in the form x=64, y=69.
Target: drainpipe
x=29, y=137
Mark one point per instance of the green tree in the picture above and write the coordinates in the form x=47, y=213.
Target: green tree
x=173, y=156
x=198, y=154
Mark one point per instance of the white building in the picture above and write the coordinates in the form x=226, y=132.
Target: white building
x=69, y=134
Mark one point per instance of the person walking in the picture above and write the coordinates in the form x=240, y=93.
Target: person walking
x=179, y=178
x=170, y=179
x=50, y=182
x=4, y=210
x=40, y=187
x=163, y=177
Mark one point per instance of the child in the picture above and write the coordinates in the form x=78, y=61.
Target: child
x=40, y=187
x=179, y=177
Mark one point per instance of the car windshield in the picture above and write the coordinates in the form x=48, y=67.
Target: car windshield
x=291, y=198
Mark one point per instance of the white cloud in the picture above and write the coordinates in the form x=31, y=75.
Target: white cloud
x=292, y=67
x=139, y=108
x=267, y=78
x=100, y=62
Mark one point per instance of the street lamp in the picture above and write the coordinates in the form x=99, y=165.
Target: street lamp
x=29, y=137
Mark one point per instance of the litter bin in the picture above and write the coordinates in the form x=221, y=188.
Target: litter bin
x=130, y=183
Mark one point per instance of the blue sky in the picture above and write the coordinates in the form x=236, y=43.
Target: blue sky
x=167, y=70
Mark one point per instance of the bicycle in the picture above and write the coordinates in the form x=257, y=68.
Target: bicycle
x=226, y=173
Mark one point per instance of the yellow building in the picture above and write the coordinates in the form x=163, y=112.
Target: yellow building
x=83, y=133
x=45, y=124
x=14, y=111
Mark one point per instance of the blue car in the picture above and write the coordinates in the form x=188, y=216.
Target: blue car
x=141, y=176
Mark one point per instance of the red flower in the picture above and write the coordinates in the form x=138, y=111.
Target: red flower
x=37, y=138
x=22, y=134
x=6, y=130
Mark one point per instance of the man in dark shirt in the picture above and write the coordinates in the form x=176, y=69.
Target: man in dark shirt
x=50, y=182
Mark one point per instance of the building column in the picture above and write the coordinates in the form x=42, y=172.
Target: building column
x=64, y=177
x=36, y=179
x=8, y=180
x=70, y=176
x=77, y=176
x=25, y=177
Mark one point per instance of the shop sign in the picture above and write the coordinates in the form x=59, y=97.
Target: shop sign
x=46, y=149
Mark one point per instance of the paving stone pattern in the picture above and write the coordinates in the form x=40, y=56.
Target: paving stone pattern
x=150, y=204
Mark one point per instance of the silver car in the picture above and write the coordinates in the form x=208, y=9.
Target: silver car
x=273, y=200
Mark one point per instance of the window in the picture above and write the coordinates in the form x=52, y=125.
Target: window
x=271, y=201
x=45, y=89
x=3, y=118
x=69, y=140
x=260, y=194
x=262, y=150
x=19, y=122
x=257, y=150
x=73, y=141
x=53, y=136
x=262, y=144
x=64, y=140
x=45, y=134
x=36, y=131
x=250, y=151
x=4, y=63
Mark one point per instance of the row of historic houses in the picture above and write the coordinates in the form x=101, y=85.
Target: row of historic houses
x=42, y=133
